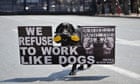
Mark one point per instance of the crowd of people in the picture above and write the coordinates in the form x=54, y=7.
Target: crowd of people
x=115, y=7
x=106, y=7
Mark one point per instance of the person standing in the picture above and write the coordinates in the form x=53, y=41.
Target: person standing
x=98, y=49
x=108, y=47
x=66, y=36
x=99, y=7
x=88, y=47
x=137, y=7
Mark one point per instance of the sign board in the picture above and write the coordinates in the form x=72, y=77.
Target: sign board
x=96, y=46
x=99, y=41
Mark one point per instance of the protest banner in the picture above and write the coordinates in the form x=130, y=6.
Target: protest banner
x=96, y=46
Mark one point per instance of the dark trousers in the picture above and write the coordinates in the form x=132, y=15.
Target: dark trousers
x=73, y=67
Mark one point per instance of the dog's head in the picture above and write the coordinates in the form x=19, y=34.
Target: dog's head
x=65, y=28
x=66, y=34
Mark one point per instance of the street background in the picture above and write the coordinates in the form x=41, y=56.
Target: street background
x=125, y=71
x=80, y=7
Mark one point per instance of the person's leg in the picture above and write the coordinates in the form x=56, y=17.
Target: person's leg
x=64, y=65
x=81, y=67
x=73, y=70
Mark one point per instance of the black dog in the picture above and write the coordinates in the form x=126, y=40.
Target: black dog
x=66, y=35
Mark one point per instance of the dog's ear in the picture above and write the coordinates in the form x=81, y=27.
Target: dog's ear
x=71, y=28
x=59, y=28
x=68, y=26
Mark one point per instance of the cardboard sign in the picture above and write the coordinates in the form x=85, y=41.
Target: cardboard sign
x=32, y=40
x=99, y=41
x=96, y=46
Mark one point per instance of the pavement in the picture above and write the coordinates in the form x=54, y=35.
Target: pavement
x=133, y=15
x=126, y=69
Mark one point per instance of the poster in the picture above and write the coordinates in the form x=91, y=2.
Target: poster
x=99, y=41
x=95, y=45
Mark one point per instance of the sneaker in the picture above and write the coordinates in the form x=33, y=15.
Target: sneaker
x=89, y=65
x=64, y=65
x=72, y=73
x=81, y=67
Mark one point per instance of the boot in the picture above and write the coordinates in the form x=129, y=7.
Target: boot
x=81, y=67
x=72, y=73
